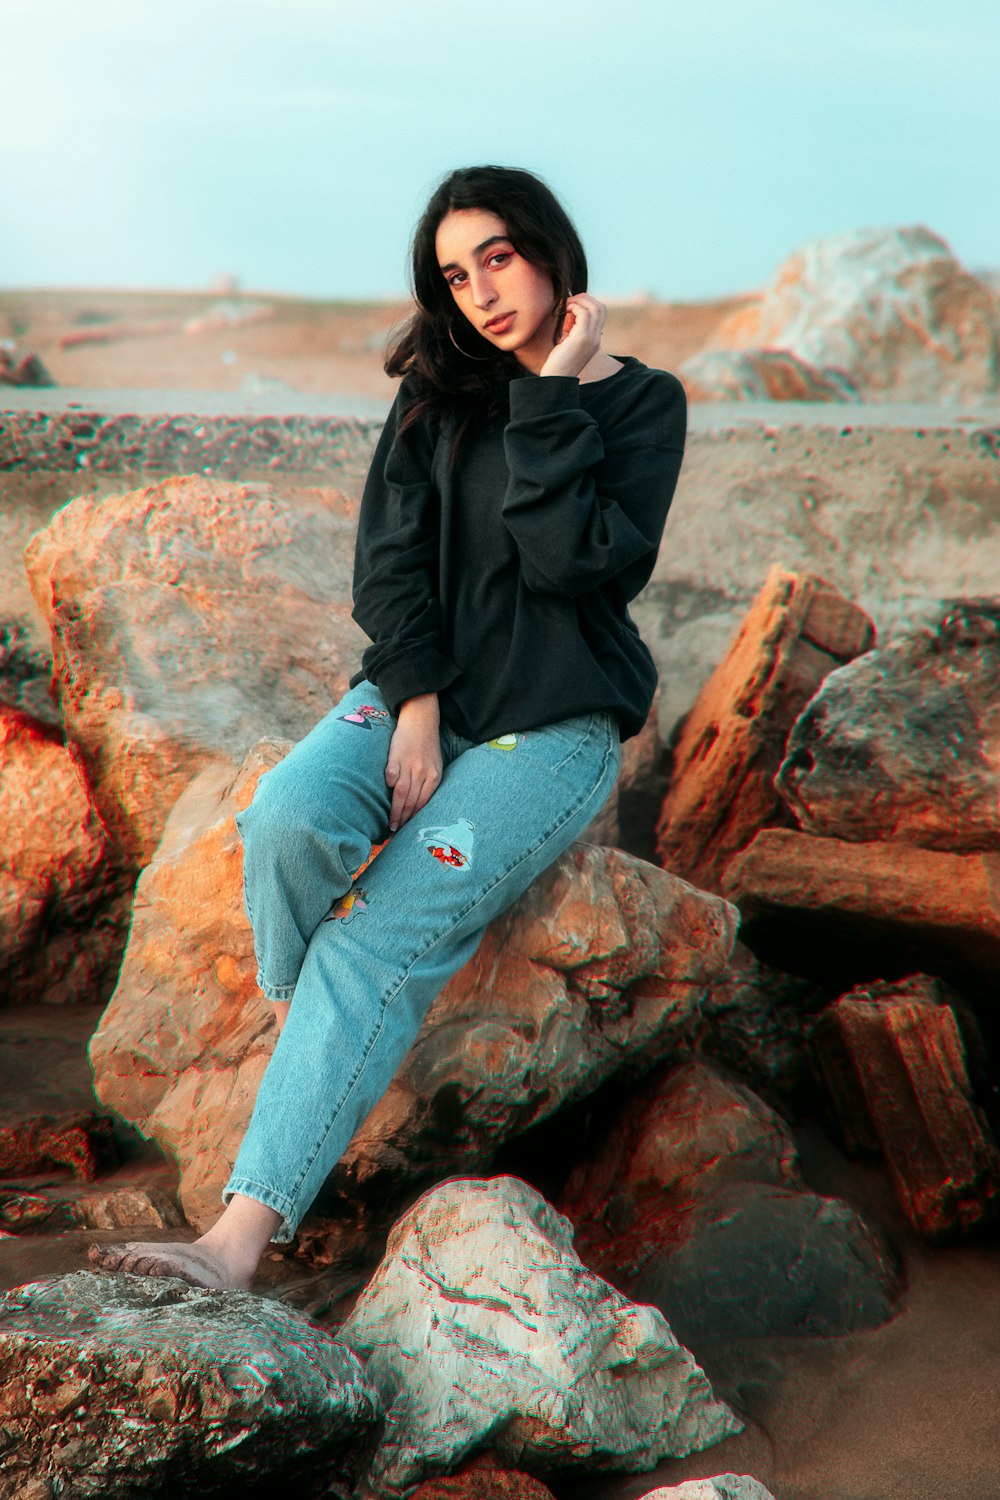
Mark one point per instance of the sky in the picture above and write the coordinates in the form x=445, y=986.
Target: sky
x=292, y=143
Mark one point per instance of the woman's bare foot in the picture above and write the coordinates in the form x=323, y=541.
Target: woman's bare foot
x=187, y=1262
x=225, y=1256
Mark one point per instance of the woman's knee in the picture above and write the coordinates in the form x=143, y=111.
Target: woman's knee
x=282, y=830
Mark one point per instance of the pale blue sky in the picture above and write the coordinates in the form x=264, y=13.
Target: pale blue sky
x=293, y=142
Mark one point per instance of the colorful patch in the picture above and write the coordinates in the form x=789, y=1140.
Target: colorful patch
x=349, y=906
x=365, y=716
x=450, y=844
x=503, y=742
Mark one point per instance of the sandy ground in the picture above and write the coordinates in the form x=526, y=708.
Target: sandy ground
x=310, y=346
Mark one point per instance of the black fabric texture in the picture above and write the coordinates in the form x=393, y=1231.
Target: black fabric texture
x=503, y=584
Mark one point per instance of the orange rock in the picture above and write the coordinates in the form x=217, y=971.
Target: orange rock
x=188, y=619
x=62, y=912
x=851, y=911
x=483, y=1478
x=907, y=1063
x=731, y=743
x=599, y=966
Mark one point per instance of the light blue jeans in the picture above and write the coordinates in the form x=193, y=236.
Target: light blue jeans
x=361, y=963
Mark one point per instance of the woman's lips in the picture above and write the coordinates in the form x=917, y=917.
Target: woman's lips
x=500, y=325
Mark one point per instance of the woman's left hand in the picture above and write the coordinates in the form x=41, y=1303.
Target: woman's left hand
x=581, y=336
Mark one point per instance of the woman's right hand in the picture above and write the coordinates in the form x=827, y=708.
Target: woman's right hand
x=414, y=763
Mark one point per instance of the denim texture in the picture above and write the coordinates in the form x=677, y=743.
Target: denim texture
x=361, y=962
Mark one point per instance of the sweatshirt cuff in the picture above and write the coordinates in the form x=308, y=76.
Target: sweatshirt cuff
x=418, y=672
x=537, y=395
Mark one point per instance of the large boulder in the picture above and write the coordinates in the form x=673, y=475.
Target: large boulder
x=599, y=967
x=721, y=786
x=188, y=618
x=481, y=1324
x=111, y=1387
x=848, y=912
x=694, y=1202
x=890, y=308
x=904, y=743
x=63, y=900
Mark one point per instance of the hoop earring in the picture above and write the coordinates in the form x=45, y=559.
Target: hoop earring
x=481, y=358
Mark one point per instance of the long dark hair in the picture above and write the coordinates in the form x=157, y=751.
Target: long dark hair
x=466, y=389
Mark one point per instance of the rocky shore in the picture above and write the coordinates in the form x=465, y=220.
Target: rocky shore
x=690, y=1185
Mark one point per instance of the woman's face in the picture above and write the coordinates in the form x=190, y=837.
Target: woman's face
x=506, y=298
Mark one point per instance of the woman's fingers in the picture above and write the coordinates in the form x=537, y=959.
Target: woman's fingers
x=412, y=789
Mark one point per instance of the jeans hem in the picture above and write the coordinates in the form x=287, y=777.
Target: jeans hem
x=270, y=1199
x=282, y=992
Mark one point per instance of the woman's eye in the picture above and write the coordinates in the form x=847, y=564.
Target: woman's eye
x=500, y=256
x=457, y=279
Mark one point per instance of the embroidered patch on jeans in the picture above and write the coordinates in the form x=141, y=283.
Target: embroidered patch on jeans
x=503, y=742
x=450, y=844
x=365, y=716
x=349, y=906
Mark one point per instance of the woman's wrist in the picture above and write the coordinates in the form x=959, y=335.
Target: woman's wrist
x=421, y=705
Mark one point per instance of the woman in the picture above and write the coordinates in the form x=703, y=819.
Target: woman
x=514, y=506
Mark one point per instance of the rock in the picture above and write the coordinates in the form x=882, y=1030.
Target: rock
x=483, y=1478
x=230, y=312
x=82, y=1141
x=904, y=743
x=482, y=1324
x=114, y=1208
x=25, y=672
x=907, y=1062
x=719, y=1487
x=721, y=789
x=21, y=1211
x=20, y=366
x=127, y=1208
x=165, y=659
x=598, y=968
x=762, y=375
x=758, y=1023
x=844, y=912
x=63, y=900
x=113, y=1386
x=695, y=1203
x=890, y=308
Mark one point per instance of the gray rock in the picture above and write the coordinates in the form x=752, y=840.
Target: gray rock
x=719, y=1487
x=695, y=1203
x=903, y=743
x=889, y=307
x=481, y=1323
x=762, y=375
x=116, y=1386
x=766, y=1260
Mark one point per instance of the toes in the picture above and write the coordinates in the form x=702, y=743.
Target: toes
x=108, y=1257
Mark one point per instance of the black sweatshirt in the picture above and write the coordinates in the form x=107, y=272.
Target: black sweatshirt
x=503, y=584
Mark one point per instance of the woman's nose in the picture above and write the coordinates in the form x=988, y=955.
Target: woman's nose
x=483, y=292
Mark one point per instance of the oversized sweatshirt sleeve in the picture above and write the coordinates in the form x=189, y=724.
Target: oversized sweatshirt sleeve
x=396, y=600
x=582, y=504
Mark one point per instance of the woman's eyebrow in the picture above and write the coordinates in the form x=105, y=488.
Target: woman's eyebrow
x=493, y=240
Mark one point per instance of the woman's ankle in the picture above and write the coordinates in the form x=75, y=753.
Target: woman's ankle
x=242, y=1234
